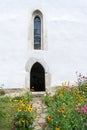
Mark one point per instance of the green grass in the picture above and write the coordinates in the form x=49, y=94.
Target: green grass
x=5, y=113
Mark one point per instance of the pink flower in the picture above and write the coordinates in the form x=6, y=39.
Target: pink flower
x=42, y=123
x=84, y=109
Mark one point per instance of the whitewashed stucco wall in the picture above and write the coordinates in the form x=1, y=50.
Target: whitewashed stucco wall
x=66, y=31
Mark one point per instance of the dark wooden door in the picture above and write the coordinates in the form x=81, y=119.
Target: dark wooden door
x=37, y=78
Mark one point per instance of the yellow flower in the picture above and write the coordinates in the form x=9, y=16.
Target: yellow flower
x=15, y=100
x=49, y=118
x=59, y=110
x=60, y=95
x=64, y=115
x=58, y=128
x=37, y=115
x=29, y=108
x=25, y=110
x=22, y=120
x=9, y=115
x=19, y=109
x=21, y=100
x=12, y=105
x=77, y=104
x=23, y=104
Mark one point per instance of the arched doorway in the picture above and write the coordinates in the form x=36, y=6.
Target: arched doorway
x=37, y=77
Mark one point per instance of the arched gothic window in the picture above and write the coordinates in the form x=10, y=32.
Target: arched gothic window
x=37, y=32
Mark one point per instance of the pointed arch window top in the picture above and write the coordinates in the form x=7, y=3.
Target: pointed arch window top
x=37, y=20
x=37, y=26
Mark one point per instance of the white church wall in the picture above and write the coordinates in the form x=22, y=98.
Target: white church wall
x=66, y=39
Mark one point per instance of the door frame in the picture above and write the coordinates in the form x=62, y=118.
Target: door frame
x=28, y=67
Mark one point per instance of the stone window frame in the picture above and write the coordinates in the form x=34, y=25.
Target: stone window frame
x=42, y=16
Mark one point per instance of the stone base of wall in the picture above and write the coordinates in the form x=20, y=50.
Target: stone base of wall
x=19, y=91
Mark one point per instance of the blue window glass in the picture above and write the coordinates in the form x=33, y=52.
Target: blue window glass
x=37, y=32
